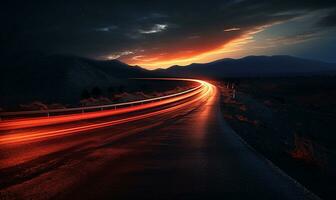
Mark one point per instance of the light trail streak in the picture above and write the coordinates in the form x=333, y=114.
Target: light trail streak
x=205, y=91
x=43, y=121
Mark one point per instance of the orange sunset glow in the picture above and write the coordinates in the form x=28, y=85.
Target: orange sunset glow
x=199, y=54
x=195, y=50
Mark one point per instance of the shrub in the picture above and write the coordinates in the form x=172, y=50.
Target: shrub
x=36, y=105
x=306, y=150
x=96, y=92
x=85, y=94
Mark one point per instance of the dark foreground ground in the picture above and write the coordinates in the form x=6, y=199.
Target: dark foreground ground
x=292, y=121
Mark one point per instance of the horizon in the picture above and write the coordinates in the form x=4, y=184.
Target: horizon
x=222, y=59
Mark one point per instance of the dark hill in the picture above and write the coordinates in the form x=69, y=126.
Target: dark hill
x=60, y=78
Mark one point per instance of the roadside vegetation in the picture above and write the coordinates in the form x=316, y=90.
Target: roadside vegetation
x=97, y=97
x=93, y=96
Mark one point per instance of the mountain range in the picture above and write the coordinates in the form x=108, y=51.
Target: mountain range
x=253, y=66
x=62, y=78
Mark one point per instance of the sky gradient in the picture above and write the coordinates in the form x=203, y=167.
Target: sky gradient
x=159, y=34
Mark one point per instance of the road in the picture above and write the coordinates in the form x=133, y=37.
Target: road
x=180, y=150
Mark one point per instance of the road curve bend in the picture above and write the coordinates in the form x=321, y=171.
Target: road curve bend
x=183, y=150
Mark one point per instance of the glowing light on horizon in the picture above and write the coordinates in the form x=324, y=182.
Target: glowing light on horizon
x=203, y=57
x=227, y=49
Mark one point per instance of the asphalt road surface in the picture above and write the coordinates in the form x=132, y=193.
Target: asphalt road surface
x=185, y=150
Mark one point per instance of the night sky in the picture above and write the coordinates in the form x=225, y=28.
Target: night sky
x=156, y=34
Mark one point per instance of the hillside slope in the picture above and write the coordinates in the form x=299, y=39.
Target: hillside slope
x=61, y=78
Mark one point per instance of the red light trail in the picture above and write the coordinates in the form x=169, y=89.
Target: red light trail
x=197, y=94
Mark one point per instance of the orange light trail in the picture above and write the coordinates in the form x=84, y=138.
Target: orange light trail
x=43, y=121
x=201, y=94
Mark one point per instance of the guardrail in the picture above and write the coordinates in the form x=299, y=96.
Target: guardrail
x=52, y=112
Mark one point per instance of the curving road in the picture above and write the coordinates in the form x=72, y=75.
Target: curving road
x=181, y=149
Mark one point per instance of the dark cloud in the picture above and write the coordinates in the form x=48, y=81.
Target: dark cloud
x=98, y=28
x=294, y=38
x=329, y=20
